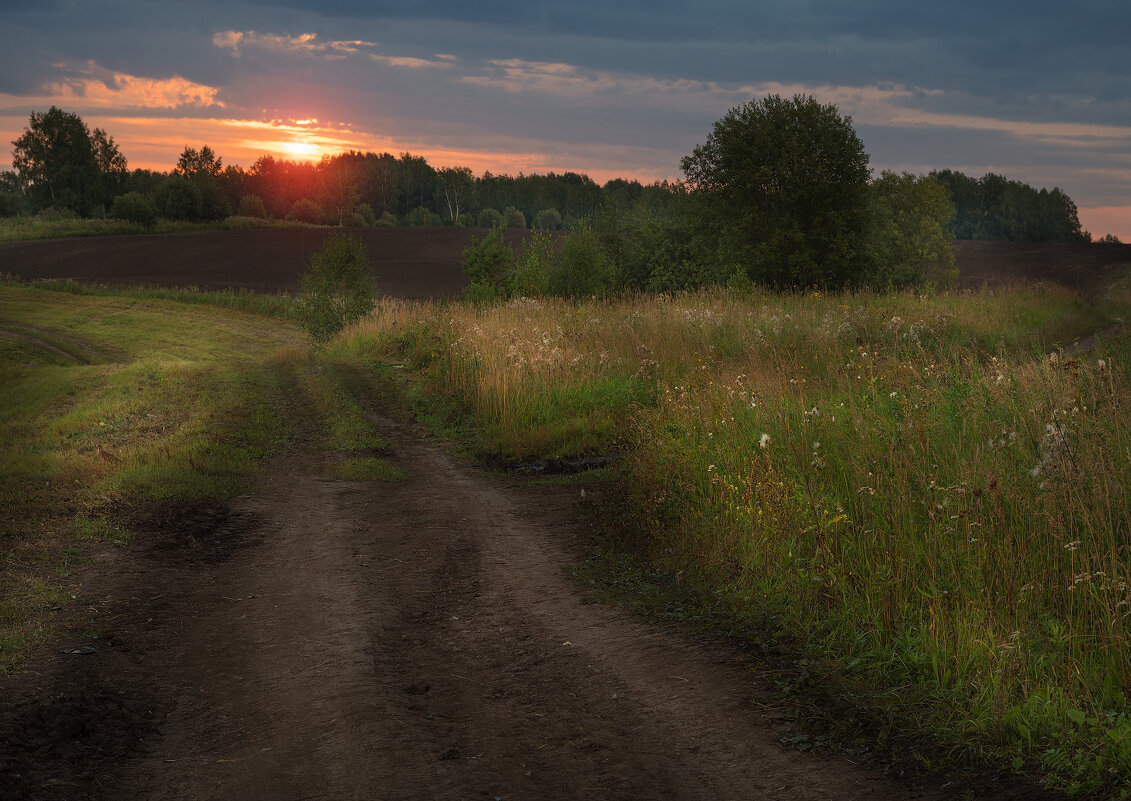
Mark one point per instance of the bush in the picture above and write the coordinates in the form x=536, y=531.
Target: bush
x=363, y=212
x=134, y=207
x=178, y=198
x=514, y=218
x=487, y=261
x=419, y=217
x=54, y=214
x=908, y=238
x=214, y=203
x=338, y=287
x=582, y=269
x=530, y=275
x=387, y=220
x=489, y=218
x=252, y=206
x=548, y=220
x=307, y=211
x=10, y=204
x=466, y=220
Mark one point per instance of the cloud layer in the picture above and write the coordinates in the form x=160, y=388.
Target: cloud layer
x=1033, y=90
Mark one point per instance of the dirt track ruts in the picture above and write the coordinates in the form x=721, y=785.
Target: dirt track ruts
x=419, y=640
x=407, y=640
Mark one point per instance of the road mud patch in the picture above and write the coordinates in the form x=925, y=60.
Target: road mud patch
x=62, y=738
x=202, y=531
x=545, y=467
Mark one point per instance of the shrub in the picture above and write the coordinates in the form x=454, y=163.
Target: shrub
x=338, y=287
x=364, y=215
x=548, y=219
x=305, y=210
x=530, y=275
x=489, y=218
x=387, y=220
x=54, y=214
x=134, y=207
x=908, y=236
x=487, y=261
x=419, y=217
x=466, y=220
x=178, y=198
x=9, y=204
x=214, y=203
x=252, y=206
x=514, y=218
x=582, y=269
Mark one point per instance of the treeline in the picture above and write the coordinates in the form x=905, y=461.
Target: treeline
x=61, y=165
x=780, y=194
x=994, y=207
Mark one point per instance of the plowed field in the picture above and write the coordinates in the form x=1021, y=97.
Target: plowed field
x=425, y=262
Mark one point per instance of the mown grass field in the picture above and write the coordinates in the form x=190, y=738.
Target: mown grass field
x=113, y=404
x=923, y=499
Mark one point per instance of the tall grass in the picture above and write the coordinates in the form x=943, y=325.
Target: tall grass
x=927, y=492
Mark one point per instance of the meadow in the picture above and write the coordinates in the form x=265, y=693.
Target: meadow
x=920, y=498
x=925, y=497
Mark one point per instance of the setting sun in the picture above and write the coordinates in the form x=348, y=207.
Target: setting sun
x=297, y=150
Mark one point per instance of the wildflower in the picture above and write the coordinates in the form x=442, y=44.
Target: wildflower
x=894, y=395
x=1101, y=364
x=764, y=442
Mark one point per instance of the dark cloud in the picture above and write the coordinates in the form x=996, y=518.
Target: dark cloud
x=646, y=75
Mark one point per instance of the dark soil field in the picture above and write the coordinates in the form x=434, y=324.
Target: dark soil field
x=1085, y=268
x=425, y=262
x=408, y=262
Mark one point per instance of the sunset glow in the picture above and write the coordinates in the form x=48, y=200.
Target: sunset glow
x=623, y=93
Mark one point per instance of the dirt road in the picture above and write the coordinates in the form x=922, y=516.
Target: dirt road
x=407, y=640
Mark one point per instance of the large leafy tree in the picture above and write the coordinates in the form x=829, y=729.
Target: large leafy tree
x=59, y=162
x=783, y=185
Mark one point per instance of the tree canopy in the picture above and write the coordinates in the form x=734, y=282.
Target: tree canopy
x=995, y=207
x=60, y=163
x=783, y=186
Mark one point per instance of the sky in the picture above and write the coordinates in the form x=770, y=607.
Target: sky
x=1037, y=91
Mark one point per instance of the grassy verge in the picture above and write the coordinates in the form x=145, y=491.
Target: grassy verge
x=113, y=400
x=62, y=226
x=277, y=305
x=110, y=402
x=926, y=496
